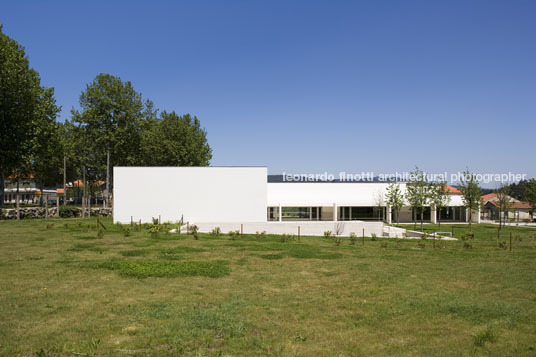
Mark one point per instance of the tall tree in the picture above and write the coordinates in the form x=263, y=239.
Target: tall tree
x=530, y=195
x=174, y=140
x=439, y=197
x=19, y=94
x=45, y=161
x=109, y=123
x=418, y=194
x=470, y=194
x=395, y=199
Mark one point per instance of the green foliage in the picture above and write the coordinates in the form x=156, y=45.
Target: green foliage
x=126, y=231
x=194, y=231
x=337, y=240
x=111, y=118
x=328, y=234
x=260, y=235
x=418, y=193
x=373, y=236
x=286, y=237
x=439, y=196
x=134, y=252
x=216, y=232
x=68, y=211
x=28, y=117
x=470, y=193
x=154, y=228
x=530, y=195
x=395, y=198
x=174, y=140
x=168, y=269
x=353, y=238
x=234, y=234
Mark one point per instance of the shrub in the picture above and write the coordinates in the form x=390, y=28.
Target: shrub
x=421, y=245
x=328, y=234
x=373, y=236
x=337, y=240
x=100, y=234
x=353, y=238
x=286, y=237
x=467, y=245
x=384, y=245
x=503, y=245
x=468, y=235
x=216, y=232
x=155, y=221
x=126, y=231
x=194, y=231
x=68, y=212
x=154, y=229
x=260, y=234
x=50, y=225
x=234, y=234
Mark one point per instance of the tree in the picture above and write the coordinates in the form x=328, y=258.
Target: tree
x=45, y=161
x=174, y=140
x=395, y=199
x=19, y=94
x=470, y=194
x=110, y=123
x=530, y=195
x=418, y=194
x=505, y=202
x=439, y=197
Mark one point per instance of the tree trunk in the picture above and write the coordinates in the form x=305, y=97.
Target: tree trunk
x=2, y=187
x=422, y=216
x=64, y=181
x=470, y=219
x=107, y=194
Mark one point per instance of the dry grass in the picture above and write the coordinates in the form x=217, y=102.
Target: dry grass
x=65, y=292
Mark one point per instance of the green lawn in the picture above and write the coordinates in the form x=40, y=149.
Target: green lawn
x=65, y=292
x=490, y=232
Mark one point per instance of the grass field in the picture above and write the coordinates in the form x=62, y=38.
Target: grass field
x=65, y=292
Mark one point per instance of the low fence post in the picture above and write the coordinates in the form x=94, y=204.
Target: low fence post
x=241, y=228
x=57, y=205
x=510, y=241
x=46, y=206
x=363, y=241
x=299, y=232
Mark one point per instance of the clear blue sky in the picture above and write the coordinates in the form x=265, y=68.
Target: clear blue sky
x=308, y=86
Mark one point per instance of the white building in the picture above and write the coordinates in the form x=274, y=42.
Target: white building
x=244, y=196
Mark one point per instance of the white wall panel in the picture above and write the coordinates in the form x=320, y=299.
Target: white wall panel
x=201, y=194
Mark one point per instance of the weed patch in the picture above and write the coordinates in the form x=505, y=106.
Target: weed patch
x=146, y=269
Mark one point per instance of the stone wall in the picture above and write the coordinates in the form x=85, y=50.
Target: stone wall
x=39, y=212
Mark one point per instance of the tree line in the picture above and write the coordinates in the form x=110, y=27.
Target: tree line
x=114, y=126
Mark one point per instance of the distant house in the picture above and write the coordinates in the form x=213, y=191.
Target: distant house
x=518, y=210
x=27, y=189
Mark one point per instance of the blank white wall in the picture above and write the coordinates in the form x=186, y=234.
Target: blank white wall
x=325, y=194
x=201, y=194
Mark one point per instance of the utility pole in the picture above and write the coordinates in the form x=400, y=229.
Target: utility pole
x=64, y=180
x=84, y=192
x=107, y=198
